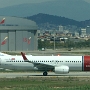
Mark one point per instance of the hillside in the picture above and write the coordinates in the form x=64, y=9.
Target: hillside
x=51, y=21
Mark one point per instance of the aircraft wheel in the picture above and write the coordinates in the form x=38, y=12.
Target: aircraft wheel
x=45, y=73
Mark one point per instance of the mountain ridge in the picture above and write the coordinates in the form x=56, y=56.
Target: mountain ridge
x=43, y=20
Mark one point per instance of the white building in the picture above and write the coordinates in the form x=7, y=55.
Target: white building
x=83, y=32
x=61, y=28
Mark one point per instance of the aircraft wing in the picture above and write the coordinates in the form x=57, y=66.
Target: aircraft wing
x=40, y=66
x=44, y=67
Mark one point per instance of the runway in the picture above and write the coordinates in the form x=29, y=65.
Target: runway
x=39, y=74
x=50, y=52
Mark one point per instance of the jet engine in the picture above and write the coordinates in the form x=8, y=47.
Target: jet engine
x=62, y=69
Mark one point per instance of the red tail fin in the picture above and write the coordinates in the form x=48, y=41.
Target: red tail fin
x=2, y=21
x=25, y=58
x=23, y=55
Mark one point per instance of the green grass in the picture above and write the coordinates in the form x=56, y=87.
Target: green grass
x=45, y=83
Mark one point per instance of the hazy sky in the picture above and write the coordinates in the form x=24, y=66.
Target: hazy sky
x=5, y=3
x=87, y=1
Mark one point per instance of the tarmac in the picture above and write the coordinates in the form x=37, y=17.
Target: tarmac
x=50, y=52
x=40, y=74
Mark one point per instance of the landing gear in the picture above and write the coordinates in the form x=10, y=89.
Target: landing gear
x=45, y=73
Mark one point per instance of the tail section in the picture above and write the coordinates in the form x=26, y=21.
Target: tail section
x=3, y=20
x=24, y=57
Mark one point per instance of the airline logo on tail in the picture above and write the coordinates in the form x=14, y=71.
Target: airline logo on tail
x=4, y=41
x=3, y=20
x=25, y=58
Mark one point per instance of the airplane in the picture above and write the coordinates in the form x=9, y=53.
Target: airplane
x=59, y=64
x=3, y=20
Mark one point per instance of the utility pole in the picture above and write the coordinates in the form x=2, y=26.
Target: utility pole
x=54, y=41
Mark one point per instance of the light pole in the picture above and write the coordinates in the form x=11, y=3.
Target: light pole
x=54, y=41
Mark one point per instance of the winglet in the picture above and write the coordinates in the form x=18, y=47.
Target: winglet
x=24, y=57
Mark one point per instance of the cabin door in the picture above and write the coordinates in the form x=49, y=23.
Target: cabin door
x=55, y=62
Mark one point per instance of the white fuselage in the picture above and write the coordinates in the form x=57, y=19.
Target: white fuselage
x=78, y=63
x=14, y=63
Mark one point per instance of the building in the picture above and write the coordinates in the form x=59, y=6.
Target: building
x=83, y=32
x=88, y=30
x=61, y=28
x=20, y=34
x=76, y=34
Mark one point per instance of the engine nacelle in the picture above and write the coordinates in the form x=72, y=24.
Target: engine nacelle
x=62, y=70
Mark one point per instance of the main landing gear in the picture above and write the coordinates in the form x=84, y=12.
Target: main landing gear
x=45, y=73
